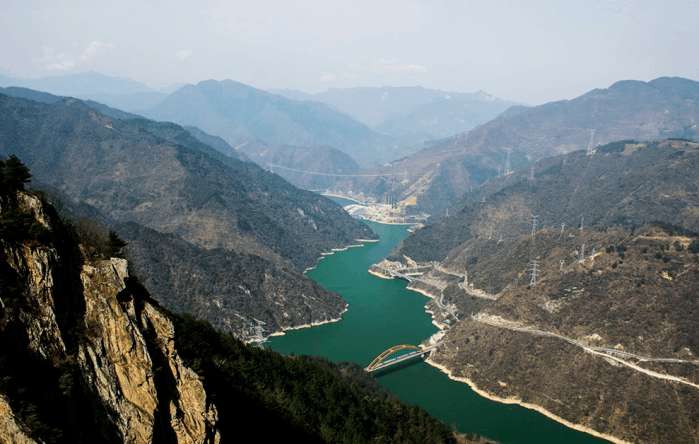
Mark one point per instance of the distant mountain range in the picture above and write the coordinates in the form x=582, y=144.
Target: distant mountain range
x=411, y=114
x=240, y=114
x=119, y=92
x=371, y=125
x=199, y=204
x=440, y=174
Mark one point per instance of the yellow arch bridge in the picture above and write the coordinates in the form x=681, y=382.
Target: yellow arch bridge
x=383, y=360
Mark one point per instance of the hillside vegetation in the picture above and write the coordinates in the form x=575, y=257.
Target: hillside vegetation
x=88, y=356
x=159, y=176
x=572, y=288
x=440, y=174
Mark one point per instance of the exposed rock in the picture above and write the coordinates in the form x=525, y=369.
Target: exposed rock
x=87, y=356
x=10, y=430
x=87, y=318
x=117, y=359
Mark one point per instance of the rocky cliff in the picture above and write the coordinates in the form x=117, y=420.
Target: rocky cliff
x=97, y=346
x=86, y=356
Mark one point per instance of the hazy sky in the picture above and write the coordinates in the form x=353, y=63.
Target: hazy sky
x=531, y=51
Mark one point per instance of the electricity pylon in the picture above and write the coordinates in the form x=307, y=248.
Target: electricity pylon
x=534, y=272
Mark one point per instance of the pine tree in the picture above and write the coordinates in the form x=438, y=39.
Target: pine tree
x=116, y=244
x=14, y=174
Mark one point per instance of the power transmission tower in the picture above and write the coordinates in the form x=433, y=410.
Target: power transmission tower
x=535, y=220
x=534, y=272
x=563, y=263
x=563, y=227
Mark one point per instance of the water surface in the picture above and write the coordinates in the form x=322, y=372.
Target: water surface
x=383, y=313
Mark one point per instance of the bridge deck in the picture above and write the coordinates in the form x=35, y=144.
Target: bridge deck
x=402, y=358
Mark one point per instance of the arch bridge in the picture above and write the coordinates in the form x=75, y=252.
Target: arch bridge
x=382, y=360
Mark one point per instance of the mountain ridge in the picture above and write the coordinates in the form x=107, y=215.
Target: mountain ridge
x=441, y=173
x=240, y=113
x=159, y=176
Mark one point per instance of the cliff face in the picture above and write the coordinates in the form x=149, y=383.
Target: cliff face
x=130, y=358
x=86, y=356
x=82, y=343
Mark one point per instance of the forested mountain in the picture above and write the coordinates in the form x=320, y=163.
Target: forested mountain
x=572, y=287
x=159, y=176
x=240, y=113
x=624, y=183
x=440, y=174
x=44, y=97
x=308, y=167
x=215, y=142
x=89, y=356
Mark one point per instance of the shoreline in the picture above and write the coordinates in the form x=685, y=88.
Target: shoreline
x=379, y=275
x=441, y=329
x=332, y=251
x=519, y=402
x=510, y=400
x=283, y=331
x=340, y=196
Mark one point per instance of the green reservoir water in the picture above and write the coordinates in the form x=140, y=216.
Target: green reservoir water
x=383, y=313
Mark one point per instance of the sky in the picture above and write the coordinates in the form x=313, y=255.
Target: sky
x=530, y=51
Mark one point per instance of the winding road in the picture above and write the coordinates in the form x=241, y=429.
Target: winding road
x=605, y=352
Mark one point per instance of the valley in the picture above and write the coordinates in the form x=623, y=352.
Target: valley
x=403, y=222
x=383, y=313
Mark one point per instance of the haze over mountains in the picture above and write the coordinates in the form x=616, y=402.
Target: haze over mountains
x=292, y=163
x=119, y=92
x=159, y=176
x=438, y=175
x=385, y=222
x=242, y=114
x=614, y=246
x=413, y=114
x=371, y=125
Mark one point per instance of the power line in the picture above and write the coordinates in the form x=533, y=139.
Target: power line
x=319, y=173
